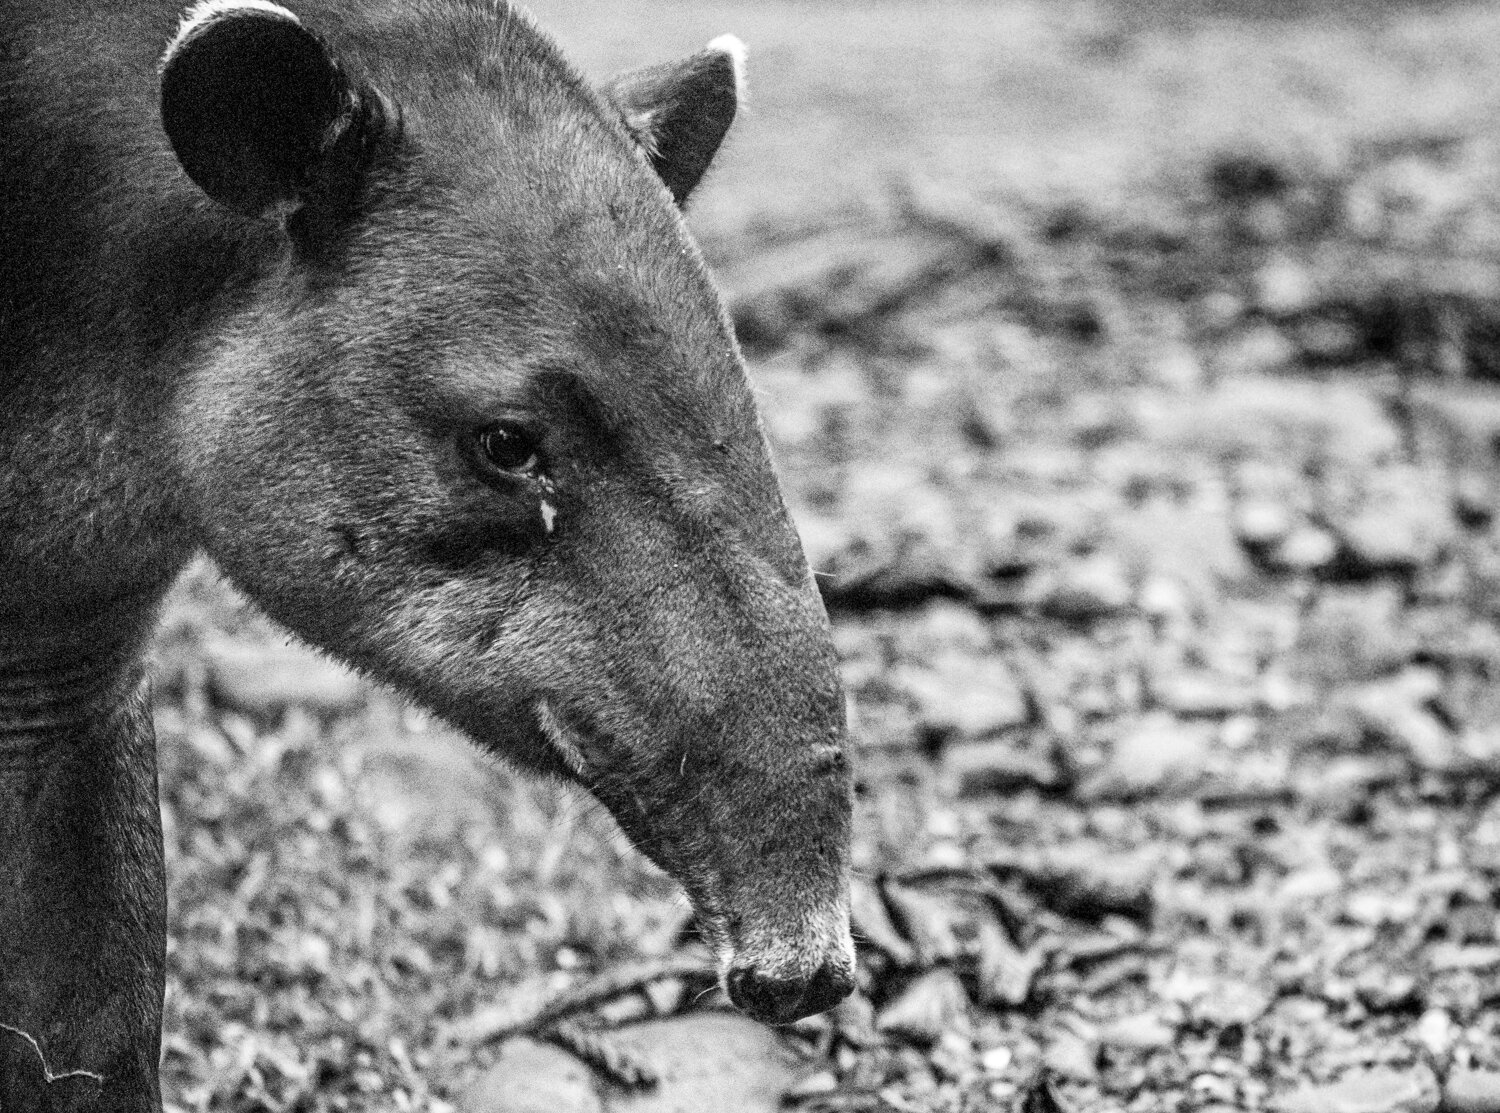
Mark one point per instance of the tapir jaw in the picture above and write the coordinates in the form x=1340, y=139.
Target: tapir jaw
x=778, y=926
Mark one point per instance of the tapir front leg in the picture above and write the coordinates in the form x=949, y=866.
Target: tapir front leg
x=82, y=883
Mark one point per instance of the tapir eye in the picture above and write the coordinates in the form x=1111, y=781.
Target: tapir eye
x=509, y=447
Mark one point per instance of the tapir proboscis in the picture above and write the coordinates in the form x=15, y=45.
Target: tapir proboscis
x=384, y=308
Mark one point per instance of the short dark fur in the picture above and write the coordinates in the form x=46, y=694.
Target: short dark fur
x=446, y=230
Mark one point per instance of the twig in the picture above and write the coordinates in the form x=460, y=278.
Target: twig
x=504, y=1021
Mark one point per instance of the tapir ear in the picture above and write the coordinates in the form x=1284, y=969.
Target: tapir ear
x=680, y=112
x=252, y=103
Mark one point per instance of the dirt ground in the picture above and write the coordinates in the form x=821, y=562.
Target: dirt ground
x=1132, y=379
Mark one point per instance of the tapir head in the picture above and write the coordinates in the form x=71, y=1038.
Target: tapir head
x=479, y=425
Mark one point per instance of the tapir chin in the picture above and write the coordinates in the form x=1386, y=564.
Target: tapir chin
x=384, y=308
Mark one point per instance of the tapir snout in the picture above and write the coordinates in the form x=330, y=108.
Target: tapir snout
x=701, y=704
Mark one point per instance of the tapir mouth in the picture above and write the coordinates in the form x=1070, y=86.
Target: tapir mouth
x=775, y=977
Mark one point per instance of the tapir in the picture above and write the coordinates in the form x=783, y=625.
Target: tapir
x=384, y=308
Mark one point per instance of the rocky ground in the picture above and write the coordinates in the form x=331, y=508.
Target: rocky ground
x=1159, y=536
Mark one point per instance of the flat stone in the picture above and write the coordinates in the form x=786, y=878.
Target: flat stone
x=533, y=1077
x=933, y=1004
x=264, y=680
x=998, y=766
x=1394, y=710
x=967, y=696
x=1263, y=521
x=1084, y=589
x=1073, y=1057
x=1255, y=350
x=1159, y=754
x=1376, y=1090
x=1142, y=1032
x=1306, y=548
x=705, y=1061
x=1472, y=1091
x=1226, y=1004
x=1329, y=339
x=1204, y=694
x=1283, y=287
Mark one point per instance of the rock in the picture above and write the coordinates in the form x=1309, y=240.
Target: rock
x=1373, y=1090
x=1387, y=543
x=1203, y=694
x=1474, y=498
x=872, y=922
x=1472, y=1091
x=1143, y=1032
x=854, y=1020
x=1085, y=881
x=1353, y=633
x=532, y=1077
x=704, y=1061
x=1160, y=753
x=1084, y=589
x=999, y=766
x=1283, y=288
x=1379, y=990
x=1394, y=711
x=813, y=1086
x=909, y=572
x=965, y=696
x=1175, y=365
x=996, y=1060
x=1436, y=1032
x=933, y=1004
x=1306, y=549
x=1377, y=907
x=1262, y=523
x=1254, y=350
x=943, y=626
x=1072, y=1057
x=1453, y=956
x=928, y=920
x=1329, y=339
x=266, y=680
x=1218, y=310
x=1167, y=601
x=1231, y=1003
x=1006, y=973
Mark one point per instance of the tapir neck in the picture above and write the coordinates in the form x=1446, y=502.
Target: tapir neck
x=60, y=677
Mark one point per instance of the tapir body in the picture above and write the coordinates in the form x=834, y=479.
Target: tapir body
x=383, y=307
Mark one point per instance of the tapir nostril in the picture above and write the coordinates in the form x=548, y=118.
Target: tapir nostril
x=776, y=1000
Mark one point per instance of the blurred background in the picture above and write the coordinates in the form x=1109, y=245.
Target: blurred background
x=1131, y=371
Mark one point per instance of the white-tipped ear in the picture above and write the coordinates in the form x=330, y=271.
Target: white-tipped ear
x=679, y=113
x=201, y=15
x=252, y=103
x=735, y=48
